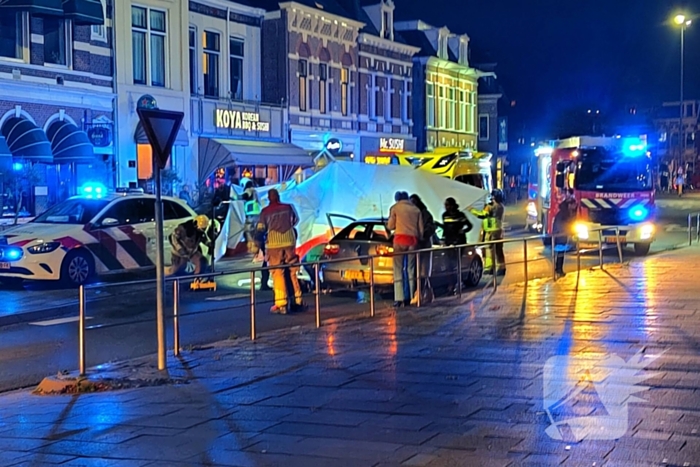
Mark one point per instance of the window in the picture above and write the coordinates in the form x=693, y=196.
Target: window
x=323, y=88
x=56, y=41
x=379, y=98
x=12, y=38
x=463, y=117
x=483, y=127
x=386, y=24
x=193, y=60
x=148, y=32
x=173, y=210
x=344, y=81
x=451, y=107
x=236, y=51
x=211, y=43
x=440, y=111
x=471, y=116
x=430, y=92
x=132, y=211
x=390, y=96
x=302, y=72
x=99, y=32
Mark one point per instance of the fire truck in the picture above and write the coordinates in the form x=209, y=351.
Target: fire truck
x=611, y=181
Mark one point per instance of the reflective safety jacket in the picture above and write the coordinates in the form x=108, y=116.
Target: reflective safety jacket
x=493, y=216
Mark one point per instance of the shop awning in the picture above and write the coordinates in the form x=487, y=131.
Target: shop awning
x=141, y=138
x=26, y=140
x=35, y=7
x=215, y=153
x=69, y=144
x=84, y=12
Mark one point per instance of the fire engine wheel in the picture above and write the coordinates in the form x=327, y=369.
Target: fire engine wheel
x=642, y=249
x=77, y=269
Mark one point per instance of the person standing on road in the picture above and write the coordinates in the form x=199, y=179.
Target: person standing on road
x=679, y=182
x=561, y=231
x=455, y=226
x=277, y=222
x=426, y=242
x=406, y=222
x=493, y=215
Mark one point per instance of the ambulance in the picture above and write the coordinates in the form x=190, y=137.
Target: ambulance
x=94, y=234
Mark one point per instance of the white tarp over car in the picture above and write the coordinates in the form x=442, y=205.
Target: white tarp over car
x=363, y=190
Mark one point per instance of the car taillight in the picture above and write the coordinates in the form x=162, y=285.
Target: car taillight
x=331, y=250
x=384, y=250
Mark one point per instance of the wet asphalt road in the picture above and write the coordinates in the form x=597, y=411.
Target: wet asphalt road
x=121, y=322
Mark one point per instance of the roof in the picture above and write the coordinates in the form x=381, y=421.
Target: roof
x=355, y=10
x=331, y=6
x=419, y=39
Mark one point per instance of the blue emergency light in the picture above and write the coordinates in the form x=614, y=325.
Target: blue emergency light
x=12, y=254
x=634, y=147
x=638, y=213
x=93, y=190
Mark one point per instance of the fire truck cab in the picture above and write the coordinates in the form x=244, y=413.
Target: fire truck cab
x=611, y=181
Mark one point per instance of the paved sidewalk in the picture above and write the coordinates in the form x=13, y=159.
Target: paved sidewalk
x=448, y=385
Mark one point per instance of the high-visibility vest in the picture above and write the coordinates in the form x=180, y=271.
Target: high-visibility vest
x=252, y=208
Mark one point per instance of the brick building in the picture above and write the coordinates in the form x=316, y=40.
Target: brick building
x=56, y=100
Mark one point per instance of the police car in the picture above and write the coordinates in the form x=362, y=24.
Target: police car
x=88, y=235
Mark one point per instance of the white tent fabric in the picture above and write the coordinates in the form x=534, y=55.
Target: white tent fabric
x=362, y=190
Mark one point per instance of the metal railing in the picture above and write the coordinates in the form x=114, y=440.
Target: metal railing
x=316, y=265
x=692, y=216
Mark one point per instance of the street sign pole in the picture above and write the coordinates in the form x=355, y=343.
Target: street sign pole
x=160, y=271
x=161, y=128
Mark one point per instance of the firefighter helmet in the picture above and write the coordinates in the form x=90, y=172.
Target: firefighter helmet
x=202, y=221
x=497, y=195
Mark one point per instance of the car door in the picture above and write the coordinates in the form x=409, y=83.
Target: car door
x=127, y=235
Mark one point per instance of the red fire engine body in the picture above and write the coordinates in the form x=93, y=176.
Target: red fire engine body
x=610, y=179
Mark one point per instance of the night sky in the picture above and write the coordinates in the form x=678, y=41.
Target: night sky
x=555, y=55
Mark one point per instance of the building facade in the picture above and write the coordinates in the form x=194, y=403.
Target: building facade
x=310, y=66
x=667, y=120
x=56, y=101
x=385, y=80
x=445, y=88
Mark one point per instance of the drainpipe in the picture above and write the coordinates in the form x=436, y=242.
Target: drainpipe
x=116, y=178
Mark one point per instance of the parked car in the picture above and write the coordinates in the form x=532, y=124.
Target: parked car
x=370, y=237
x=86, y=236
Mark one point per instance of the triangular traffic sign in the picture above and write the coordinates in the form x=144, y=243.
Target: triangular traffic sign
x=161, y=128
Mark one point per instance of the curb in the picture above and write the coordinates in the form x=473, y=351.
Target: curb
x=39, y=315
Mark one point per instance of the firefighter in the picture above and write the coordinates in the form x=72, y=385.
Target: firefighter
x=562, y=229
x=277, y=221
x=493, y=214
x=186, y=243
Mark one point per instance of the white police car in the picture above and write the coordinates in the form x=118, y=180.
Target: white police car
x=86, y=236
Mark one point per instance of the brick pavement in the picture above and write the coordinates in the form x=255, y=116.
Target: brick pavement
x=448, y=385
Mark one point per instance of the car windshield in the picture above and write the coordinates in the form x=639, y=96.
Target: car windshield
x=72, y=211
x=368, y=231
x=599, y=170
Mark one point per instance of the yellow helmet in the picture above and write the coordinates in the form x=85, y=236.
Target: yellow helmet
x=202, y=221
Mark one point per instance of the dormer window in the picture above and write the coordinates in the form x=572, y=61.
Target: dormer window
x=464, y=51
x=387, y=24
x=442, y=46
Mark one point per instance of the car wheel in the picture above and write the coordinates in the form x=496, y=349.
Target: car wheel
x=642, y=249
x=12, y=282
x=474, y=273
x=78, y=268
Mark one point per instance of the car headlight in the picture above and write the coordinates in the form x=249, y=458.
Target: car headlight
x=646, y=232
x=581, y=231
x=42, y=248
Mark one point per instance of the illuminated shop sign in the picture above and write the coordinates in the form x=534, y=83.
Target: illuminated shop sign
x=379, y=160
x=395, y=145
x=237, y=120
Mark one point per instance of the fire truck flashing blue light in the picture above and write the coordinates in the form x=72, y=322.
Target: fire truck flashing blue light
x=634, y=147
x=17, y=166
x=639, y=213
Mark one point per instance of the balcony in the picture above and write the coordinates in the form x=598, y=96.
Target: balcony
x=226, y=118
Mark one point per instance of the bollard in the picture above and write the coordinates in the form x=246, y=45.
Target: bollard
x=81, y=331
x=600, y=248
x=459, y=271
x=525, y=262
x=420, y=279
x=371, y=286
x=252, y=305
x=697, y=228
x=495, y=266
x=176, y=318
x=317, y=286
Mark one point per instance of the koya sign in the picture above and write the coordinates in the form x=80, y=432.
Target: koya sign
x=237, y=120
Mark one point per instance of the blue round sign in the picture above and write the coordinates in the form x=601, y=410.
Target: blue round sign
x=147, y=102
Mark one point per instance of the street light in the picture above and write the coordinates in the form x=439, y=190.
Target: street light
x=683, y=22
